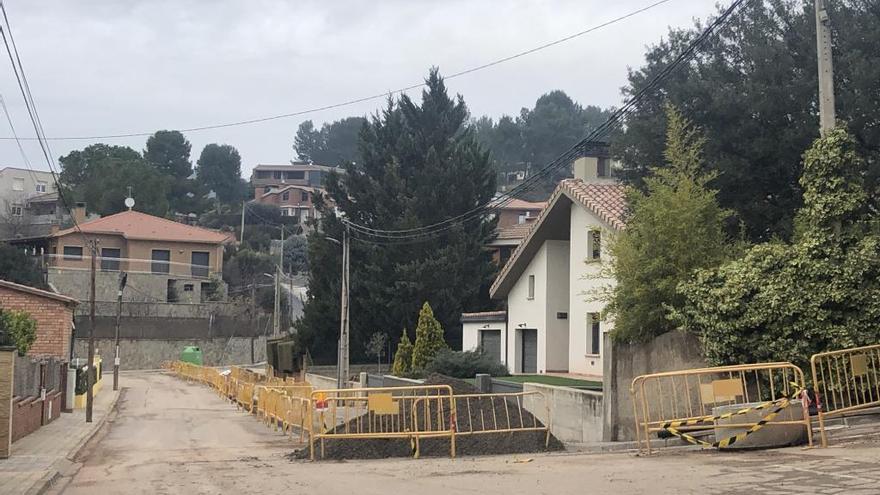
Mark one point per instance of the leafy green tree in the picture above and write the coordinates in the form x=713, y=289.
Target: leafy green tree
x=403, y=357
x=753, y=90
x=17, y=328
x=18, y=267
x=100, y=175
x=429, y=338
x=219, y=169
x=675, y=228
x=169, y=152
x=420, y=165
x=334, y=144
x=785, y=302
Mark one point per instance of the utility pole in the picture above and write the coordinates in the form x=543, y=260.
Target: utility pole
x=827, y=116
x=276, y=328
x=91, y=359
x=343, y=364
x=243, y=207
x=123, y=277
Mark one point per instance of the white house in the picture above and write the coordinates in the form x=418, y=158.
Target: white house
x=551, y=323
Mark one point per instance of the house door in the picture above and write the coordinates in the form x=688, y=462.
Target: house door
x=529, y=358
x=490, y=342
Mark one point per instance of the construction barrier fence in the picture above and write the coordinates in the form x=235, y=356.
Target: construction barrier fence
x=688, y=403
x=844, y=382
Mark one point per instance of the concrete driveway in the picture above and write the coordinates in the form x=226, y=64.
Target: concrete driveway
x=173, y=437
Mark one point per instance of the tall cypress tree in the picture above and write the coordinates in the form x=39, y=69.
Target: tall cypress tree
x=421, y=164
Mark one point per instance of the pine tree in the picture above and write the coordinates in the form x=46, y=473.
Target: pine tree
x=429, y=338
x=419, y=164
x=403, y=356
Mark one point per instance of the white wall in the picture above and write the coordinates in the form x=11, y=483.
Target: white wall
x=523, y=312
x=470, y=335
x=574, y=416
x=556, y=337
x=583, y=280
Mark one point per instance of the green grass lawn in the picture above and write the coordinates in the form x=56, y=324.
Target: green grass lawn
x=558, y=381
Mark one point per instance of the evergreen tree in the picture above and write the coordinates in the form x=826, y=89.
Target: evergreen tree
x=403, y=356
x=429, y=338
x=675, y=228
x=219, y=170
x=420, y=164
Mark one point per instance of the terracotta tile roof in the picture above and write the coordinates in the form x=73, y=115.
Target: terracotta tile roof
x=519, y=204
x=38, y=292
x=137, y=225
x=606, y=200
x=518, y=231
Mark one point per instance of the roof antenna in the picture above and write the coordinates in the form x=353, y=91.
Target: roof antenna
x=129, y=201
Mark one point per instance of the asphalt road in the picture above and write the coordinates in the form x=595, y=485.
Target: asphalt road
x=169, y=437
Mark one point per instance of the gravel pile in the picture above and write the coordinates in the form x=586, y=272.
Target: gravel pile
x=516, y=442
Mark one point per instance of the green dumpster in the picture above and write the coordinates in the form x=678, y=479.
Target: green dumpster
x=191, y=354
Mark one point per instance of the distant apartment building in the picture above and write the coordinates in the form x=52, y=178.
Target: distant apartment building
x=166, y=261
x=515, y=218
x=29, y=203
x=290, y=187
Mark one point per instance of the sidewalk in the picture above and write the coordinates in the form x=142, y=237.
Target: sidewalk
x=39, y=457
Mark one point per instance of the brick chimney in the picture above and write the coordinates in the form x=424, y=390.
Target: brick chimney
x=78, y=213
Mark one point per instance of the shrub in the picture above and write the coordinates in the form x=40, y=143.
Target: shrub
x=465, y=364
x=429, y=338
x=18, y=329
x=403, y=356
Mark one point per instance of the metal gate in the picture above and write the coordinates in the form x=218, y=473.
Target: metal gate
x=529, y=361
x=490, y=342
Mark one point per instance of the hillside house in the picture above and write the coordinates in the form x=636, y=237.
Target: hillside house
x=166, y=261
x=515, y=218
x=290, y=187
x=551, y=323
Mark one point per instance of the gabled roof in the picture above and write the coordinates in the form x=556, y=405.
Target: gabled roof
x=137, y=225
x=38, y=292
x=519, y=204
x=516, y=231
x=605, y=200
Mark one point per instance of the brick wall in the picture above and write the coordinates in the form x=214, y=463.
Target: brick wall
x=53, y=321
x=29, y=413
x=7, y=362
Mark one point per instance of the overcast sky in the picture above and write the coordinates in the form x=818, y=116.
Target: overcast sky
x=99, y=67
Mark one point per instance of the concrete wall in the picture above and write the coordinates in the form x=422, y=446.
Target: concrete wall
x=623, y=362
x=150, y=353
x=556, y=336
x=574, y=415
x=329, y=370
x=321, y=382
x=141, y=287
x=584, y=279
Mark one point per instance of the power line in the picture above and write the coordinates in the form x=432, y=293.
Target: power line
x=564, y=159
x=374, y=96
x=24, y=87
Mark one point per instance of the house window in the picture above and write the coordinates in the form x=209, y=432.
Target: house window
x=73, y=253
x=285, y=196
x=276, y=175
x=16, y=211
x=18, y=184
x=531, y=286
x=594, y=244
x=187, y=287
x=110, y=259
x=304, y=196
x=41, y=187
x=594, y=328
x=200, y=263
x=161, y=261
x=602, y=167
x=296, y=174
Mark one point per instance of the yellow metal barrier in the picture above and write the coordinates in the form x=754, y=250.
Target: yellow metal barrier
x=499, y=413
x=393, y=412
x=288, y=405
x=687, y=398
x=845, y=381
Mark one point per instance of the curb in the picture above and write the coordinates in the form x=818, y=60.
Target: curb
x=63, y=465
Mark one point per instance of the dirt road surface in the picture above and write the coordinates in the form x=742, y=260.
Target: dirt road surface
x=172, y=437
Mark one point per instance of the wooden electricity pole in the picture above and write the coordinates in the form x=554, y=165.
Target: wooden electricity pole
x=827, y=116
x=123, y=277
x=91, y=359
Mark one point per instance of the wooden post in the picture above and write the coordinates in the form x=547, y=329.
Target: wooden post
x=91, y=359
